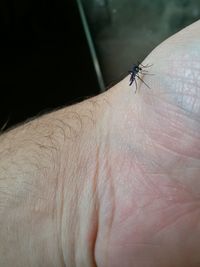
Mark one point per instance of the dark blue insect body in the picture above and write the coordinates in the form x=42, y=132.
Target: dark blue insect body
x=135, y=71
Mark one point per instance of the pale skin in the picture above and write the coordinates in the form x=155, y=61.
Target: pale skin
x=113, y=181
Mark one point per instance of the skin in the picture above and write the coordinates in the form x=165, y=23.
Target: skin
x=112, y=181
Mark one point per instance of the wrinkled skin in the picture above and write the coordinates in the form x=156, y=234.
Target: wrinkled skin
x=149, y=196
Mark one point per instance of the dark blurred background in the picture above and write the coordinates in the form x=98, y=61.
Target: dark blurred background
x=45, y=61
x=126, y=31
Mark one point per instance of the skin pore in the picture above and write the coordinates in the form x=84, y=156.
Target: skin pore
x=112, y=181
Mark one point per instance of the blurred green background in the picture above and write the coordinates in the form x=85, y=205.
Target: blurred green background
x=121, y=32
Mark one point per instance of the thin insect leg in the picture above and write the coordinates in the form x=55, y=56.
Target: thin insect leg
x=131, y=81
x=135, y=86
x=142, y=81
x=146, y=66
x=144, y=73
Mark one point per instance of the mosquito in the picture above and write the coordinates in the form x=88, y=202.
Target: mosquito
x=135, y=71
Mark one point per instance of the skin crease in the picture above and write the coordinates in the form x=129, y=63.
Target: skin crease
x=112, y=181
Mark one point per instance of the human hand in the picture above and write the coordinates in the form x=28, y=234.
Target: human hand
x=149, y=215
x=114, y=180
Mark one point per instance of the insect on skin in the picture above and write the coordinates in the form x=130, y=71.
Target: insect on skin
x=135, y=71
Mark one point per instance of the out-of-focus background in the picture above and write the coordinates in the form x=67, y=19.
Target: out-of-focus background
x=45, y=60
x=125, y=32
x=55, y=53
